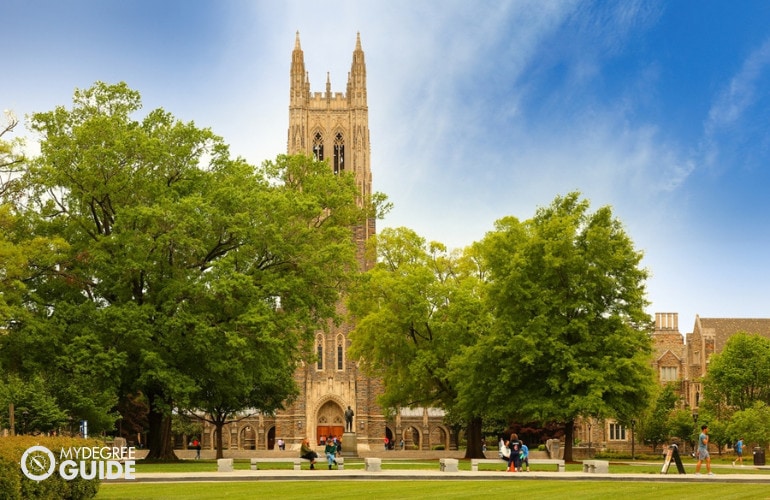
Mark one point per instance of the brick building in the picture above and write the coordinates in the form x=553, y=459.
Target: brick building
x=677, y=358
x=685, y=359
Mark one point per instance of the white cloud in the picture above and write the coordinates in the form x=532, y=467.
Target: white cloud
x=733, y=101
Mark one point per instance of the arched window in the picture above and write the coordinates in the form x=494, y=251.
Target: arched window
x=339, y=153
x=318, y=147
x=319, y=349
x=340, y=352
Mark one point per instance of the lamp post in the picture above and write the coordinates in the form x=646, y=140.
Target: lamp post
x=633, y=438
x=695, y=435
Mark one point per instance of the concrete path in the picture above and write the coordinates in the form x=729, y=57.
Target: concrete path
x=430, y=475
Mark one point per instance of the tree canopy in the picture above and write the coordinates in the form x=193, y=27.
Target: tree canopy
x=570, y=336
x=416, y=310
x=183, y=274
x=739, y=375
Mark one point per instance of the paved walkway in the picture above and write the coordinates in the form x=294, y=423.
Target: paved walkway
x=428, y=475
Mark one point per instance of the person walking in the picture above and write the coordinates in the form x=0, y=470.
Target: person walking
x=739, y=452
x=703, y=451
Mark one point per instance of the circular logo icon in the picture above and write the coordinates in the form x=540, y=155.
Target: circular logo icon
x=38, y=463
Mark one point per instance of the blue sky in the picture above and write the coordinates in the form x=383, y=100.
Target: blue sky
x=477, y=110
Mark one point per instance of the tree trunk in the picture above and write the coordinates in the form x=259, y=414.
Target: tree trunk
x=473, y=439
x=159, y=436
x=218, y=426
x=569, y=431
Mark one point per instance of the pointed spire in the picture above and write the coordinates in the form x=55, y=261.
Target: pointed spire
x=328, y=86
x=298, y=76
x=356, y=89
x=358, y=40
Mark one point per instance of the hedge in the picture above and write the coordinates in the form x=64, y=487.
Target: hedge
x=14, y=485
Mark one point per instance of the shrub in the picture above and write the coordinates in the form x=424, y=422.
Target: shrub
x=15, y=485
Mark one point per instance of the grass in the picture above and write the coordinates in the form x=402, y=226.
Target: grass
x=446, y=490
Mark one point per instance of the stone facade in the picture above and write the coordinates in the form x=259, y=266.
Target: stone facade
x=334, y=126
x=709, y=336
x=679, y=359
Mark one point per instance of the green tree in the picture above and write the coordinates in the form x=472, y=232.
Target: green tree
x=683, y=426
x=571, y=337
x=11, y=160
x=654, y=428
x=739, y=375
x=753, y=424
x=35, y=407
x=186, y=269
x=35, y=394
x=719, y=434
x=266, y=297
x=416, y=310
x=14, y=251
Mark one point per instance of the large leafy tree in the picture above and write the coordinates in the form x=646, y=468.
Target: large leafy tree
x=266, y=297
x=30, y=394
x=190, y=278
x=415, y=311
x=739, y=375
x=571, y=336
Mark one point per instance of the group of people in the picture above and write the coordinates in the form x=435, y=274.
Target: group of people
x=332, y=446
x=515, y=453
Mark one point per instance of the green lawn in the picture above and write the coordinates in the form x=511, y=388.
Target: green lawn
x=449, y=489
x=444, y=489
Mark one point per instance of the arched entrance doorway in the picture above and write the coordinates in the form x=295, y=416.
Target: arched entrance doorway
x=388, y=439
x=439, y=437
x=248, y=438
x=412, y=438
x=331, y=421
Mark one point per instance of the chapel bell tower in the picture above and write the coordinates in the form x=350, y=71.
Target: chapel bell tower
x=334, y=127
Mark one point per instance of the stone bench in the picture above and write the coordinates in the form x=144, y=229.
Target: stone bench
x=476, y=461
x=296, y=461
x=596, y=466
x=560, y=466
x=373, y=464
x=224, y=465
x=448, y=465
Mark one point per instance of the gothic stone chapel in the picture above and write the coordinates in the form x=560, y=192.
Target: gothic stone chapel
x=334, y=126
